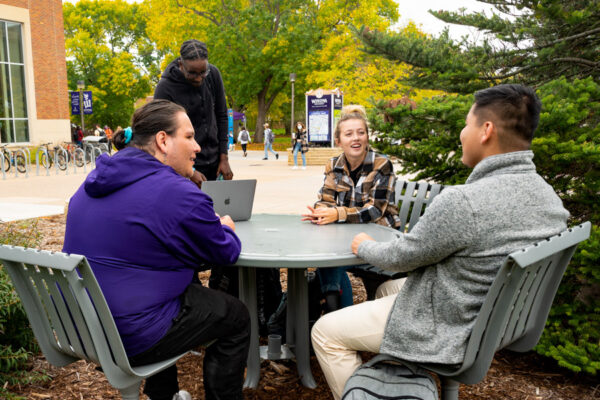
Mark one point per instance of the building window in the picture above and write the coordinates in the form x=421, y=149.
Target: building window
x=14, y=126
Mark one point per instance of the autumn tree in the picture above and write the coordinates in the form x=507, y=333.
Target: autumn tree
x=257, y=45
x=107, y=47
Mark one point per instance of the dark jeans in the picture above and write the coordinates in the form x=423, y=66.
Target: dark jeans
x=205, y=315
x=336, y=279
x=244, y=147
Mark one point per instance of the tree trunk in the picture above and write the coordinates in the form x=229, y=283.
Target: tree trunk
x=261, y=115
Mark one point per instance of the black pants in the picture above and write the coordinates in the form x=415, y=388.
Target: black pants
x=209, y=171
x=205, y=315
x=244, y=147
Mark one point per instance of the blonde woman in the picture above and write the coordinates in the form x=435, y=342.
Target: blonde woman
x=359, y=188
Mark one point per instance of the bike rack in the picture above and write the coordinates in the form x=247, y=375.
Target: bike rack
x=37, y=161
x=89, y=150
x=61, y=150
x=2, y=165
x=27, y=160
x=80, y=150
x=22, y=151
x=99, y=151
x=104, y=147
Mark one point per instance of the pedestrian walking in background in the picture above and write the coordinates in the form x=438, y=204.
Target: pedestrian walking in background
x=269, y=139
x=299, y=144
x=244, y=139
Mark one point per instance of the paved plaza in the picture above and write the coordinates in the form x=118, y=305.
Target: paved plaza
x=279, y=189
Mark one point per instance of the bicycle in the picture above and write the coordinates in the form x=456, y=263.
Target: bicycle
x=47, y=157
x=13, y=158
x=77, y=156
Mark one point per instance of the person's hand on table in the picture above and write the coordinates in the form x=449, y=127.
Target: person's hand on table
x=198, y=177
x=358, y=239
x=226, y=220
x=224, y=167
x=321, y=215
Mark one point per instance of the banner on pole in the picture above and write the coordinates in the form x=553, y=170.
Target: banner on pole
x=87, y=102
x=75, y=109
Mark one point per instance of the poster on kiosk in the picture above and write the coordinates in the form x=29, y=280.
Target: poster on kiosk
x=323, y=109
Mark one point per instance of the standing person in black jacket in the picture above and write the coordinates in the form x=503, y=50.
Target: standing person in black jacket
x=192, y=82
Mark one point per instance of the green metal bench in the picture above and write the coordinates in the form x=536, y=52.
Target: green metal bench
x=413, y=198
x=69, y=315
x=515, y=309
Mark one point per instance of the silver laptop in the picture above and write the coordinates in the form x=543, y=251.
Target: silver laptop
x=233, y=198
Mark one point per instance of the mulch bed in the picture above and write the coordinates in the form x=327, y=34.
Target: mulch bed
x=522, y=376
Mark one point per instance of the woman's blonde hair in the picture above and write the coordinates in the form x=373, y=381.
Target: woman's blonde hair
x=351, y=111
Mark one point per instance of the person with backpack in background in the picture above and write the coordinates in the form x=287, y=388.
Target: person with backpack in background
x=244, y=139
x=269, y=139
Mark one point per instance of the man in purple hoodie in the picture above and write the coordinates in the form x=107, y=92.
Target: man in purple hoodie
x=145, y=228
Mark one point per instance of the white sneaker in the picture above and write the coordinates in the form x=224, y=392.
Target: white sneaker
x=182, y=395
x=303, y=167
x=295, y=167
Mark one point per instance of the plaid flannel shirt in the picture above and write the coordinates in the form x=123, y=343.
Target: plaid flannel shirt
x=371, y=199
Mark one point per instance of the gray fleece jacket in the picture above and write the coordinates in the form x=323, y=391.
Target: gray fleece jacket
x=455, y=251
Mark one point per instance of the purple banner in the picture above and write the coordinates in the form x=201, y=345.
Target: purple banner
x=75, y=109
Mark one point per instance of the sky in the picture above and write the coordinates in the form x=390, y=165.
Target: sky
x=416, y=10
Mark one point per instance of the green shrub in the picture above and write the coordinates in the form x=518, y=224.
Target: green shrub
x=17, y=342
x=567, y=155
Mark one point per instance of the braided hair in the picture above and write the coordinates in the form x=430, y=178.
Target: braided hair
x=193, y=50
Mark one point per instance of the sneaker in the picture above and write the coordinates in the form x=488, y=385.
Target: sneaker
x=265, y=158
x=303, y=167
x=295, y=167
x=244, y=154
x=277, y=156
x=182, y=395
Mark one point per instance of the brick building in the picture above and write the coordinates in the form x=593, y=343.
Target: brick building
x=34, y=103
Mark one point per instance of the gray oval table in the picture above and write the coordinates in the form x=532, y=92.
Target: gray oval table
x=284, y=241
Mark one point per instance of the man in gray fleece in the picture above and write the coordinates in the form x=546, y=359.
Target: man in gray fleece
x=454, y=252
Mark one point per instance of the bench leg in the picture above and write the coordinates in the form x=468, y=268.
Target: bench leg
x=131, y=392
x=449, y=389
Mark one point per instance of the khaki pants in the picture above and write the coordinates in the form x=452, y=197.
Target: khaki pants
x=338, y=336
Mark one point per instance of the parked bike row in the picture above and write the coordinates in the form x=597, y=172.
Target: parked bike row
x=63, y=157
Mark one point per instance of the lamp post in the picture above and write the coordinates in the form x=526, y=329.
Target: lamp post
x=81, y=86
x=292, y=80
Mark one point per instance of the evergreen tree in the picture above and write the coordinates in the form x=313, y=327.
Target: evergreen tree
x=525, y=41
x=554, y=46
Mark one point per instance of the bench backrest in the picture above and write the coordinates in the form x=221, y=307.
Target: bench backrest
x=516, y=307
x=67, y=310
x=412, y=199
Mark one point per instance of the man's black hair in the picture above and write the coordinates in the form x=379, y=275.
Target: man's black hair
x=516, y=108
x=193, y=50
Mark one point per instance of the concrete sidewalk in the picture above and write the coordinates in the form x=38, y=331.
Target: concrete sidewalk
x=279, y=189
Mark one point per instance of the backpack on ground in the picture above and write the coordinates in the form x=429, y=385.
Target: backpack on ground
x=386, y=377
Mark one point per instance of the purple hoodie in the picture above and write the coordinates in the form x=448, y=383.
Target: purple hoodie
x=144, y=228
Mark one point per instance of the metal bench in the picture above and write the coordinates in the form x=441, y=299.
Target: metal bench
x=69, y=315
x=515, y=309
x=413, y=198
